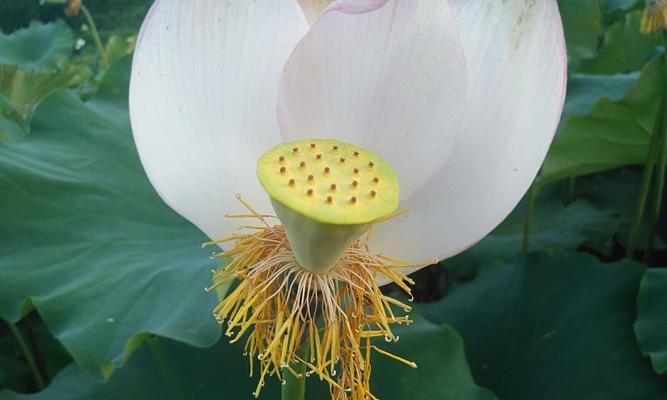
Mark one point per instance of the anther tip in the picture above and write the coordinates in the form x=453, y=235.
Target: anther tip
x=292, y=182
x=282, y=170
x=353, y=199
x=333, y=186
x=334, y=148
x=313, y=145
x=327, y=170
x=303, y=164
x=295, y=149
x=342, y=159
x=318, y=156
x=329, y=199
x=310, y=192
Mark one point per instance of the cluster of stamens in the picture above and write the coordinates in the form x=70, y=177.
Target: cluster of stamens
x=280, y=309
x=655, y=17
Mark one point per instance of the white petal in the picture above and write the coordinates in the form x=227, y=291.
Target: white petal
x=391, y=79
x=517, y=74
x=203, y=101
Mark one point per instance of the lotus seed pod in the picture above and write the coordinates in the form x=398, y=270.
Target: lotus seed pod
x=326, y=193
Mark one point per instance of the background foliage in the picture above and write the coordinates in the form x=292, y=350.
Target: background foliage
x=101, y=283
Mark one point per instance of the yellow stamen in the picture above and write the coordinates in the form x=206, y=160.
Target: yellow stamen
x=655, y=17
x=277, y=305
x=395, y=357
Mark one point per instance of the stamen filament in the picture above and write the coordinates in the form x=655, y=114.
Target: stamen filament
x=395, y=357
x=278, y=306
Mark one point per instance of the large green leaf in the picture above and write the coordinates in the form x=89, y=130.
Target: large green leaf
x=25, y=89
x=442, y=372
x=624, y=48
x=555, y=225
x=14, y=372
x=89, y=242
x=40, y=46
x=50, y=356
x=13, y=127
x=34, y=62
x=163, y=370
x=581, y=22
x=584, y=90
x=613, y=134
x=622, y=5
x=651, y=322
x=616, y=192
x=120, y=17
x=17, y=14
x=553, y=327
x=21, y=91
x=168, y=370
x=117, y=17
x=117, y=47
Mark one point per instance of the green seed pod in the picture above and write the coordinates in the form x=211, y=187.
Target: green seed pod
x=326, y=193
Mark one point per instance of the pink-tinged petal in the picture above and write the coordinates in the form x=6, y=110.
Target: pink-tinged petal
x=517, y=75
x=357, y=6
x=392, y=80
x=312, y=9
x=203, y=99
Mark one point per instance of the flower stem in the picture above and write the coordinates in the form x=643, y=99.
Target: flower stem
x=528, y=221
x=27, y=354
x=164, y=363
x=660, y=173
x=104, y=61
x=570, y=190
x=295, y=387
x=643, y=194
x=657, y=200
x=653, y=153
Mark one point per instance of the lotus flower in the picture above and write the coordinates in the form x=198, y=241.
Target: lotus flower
x=455, y=100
